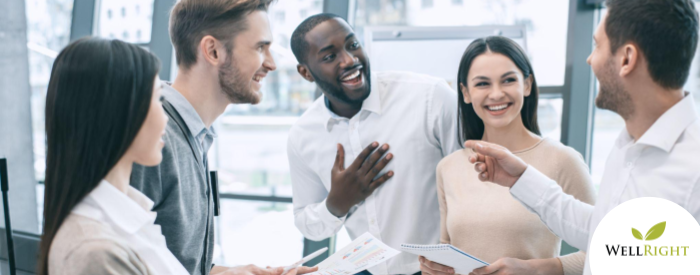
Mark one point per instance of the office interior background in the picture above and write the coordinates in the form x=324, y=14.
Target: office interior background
x=256, y=224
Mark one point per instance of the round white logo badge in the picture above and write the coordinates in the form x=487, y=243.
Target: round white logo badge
x=646, y=236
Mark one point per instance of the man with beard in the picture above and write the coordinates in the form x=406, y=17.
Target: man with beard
x=642, y=59
x=415, y=114
x=223, y=53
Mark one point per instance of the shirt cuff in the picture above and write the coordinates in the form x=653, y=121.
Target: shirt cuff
x=531, y=187
x=326, y=216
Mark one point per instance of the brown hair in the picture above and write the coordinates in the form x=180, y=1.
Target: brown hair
x=191, y=20
x=666, y=32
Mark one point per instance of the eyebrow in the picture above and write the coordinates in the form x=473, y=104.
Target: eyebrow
x=507, y=74
x=263, y=43
x=486, y=78
x=351, y=35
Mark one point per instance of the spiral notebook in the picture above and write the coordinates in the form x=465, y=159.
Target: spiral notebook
x=446, y=254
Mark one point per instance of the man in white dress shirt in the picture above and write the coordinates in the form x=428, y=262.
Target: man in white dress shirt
x=642, y=59
x=414, y=114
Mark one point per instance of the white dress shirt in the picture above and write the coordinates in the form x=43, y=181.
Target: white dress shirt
x=130, y=217
x=663, y=163
x=416, y=115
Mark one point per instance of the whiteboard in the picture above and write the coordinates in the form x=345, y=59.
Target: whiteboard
x=434, y=51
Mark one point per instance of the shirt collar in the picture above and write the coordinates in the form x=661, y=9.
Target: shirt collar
x=664, y=133
x=129, y=212
x=186, y=111
x=373, y=104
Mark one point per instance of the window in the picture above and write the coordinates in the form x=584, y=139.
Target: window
x=260, y=233
x=48, y=31
x=127, y=25
x=545, y=21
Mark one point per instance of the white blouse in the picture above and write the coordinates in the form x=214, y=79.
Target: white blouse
x=130, y=217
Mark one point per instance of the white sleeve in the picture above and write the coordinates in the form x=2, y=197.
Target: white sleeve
x=311, y=216
x=443, y=116
x=693, y=201
x=563, y=214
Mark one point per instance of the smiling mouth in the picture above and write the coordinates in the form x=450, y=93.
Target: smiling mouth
x=258, y=78
x=353, y=78
x=498, y=108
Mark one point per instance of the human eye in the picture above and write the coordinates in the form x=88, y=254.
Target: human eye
x=329, y=57
x=510, y=80
x=481, y=84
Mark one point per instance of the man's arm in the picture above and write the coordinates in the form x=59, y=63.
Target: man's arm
x=311, y=216
x=563, y=214
x=444, y=111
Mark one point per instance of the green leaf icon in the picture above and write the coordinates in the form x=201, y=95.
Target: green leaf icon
x=637, y=234
x=656, y=231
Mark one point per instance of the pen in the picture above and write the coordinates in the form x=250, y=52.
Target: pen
x=304, y=260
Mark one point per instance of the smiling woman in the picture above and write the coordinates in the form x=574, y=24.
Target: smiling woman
x=498, y=104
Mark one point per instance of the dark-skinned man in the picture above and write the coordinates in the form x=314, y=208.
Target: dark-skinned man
x=390, y=128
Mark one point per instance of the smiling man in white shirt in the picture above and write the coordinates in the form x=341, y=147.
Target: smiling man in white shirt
x=642, y=59
x=414, y=114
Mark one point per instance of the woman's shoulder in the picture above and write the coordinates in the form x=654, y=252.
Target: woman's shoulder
x=455, y=160
x=84, y=243
x=556, y=152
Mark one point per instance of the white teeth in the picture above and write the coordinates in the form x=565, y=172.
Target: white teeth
x=257, y=78
x=352, y=76
x=497, y=107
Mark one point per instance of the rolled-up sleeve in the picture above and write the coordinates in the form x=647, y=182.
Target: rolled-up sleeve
x=566, y=216
x=311, y=216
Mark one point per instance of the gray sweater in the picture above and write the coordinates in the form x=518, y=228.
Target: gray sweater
x=182, y=196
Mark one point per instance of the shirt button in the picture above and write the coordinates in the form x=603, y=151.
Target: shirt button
x=371, y=221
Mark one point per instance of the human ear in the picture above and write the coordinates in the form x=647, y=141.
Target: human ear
x=212, y=50
x=465, y=93
x=305, y=73
x=528, y=85
x=630, y=58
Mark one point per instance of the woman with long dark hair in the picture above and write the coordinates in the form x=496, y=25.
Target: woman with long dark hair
x=498, y=103
x=103, y=114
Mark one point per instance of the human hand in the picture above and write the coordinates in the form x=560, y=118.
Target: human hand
x=352, y=185
x=495, y=163
x=433, y=268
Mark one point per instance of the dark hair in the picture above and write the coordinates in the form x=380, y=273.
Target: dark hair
x=98, y=98
x=191, y=20
x=300, y=46
x=666, y=32
x=472, y=127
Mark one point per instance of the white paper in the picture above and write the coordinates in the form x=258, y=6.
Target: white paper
x=363, y=253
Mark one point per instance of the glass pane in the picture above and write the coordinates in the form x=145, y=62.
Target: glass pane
x=545, y=21
x=127, y=20
x=549, y=117
x=606, y=128
x=48, y=31
x=251, y=150
x=251, y=155
x=693, y=84
x=259, y=233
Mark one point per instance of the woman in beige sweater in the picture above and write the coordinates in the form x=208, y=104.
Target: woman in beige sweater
x=498, y=103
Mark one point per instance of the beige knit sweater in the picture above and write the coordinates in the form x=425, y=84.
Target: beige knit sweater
x=483, y=219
